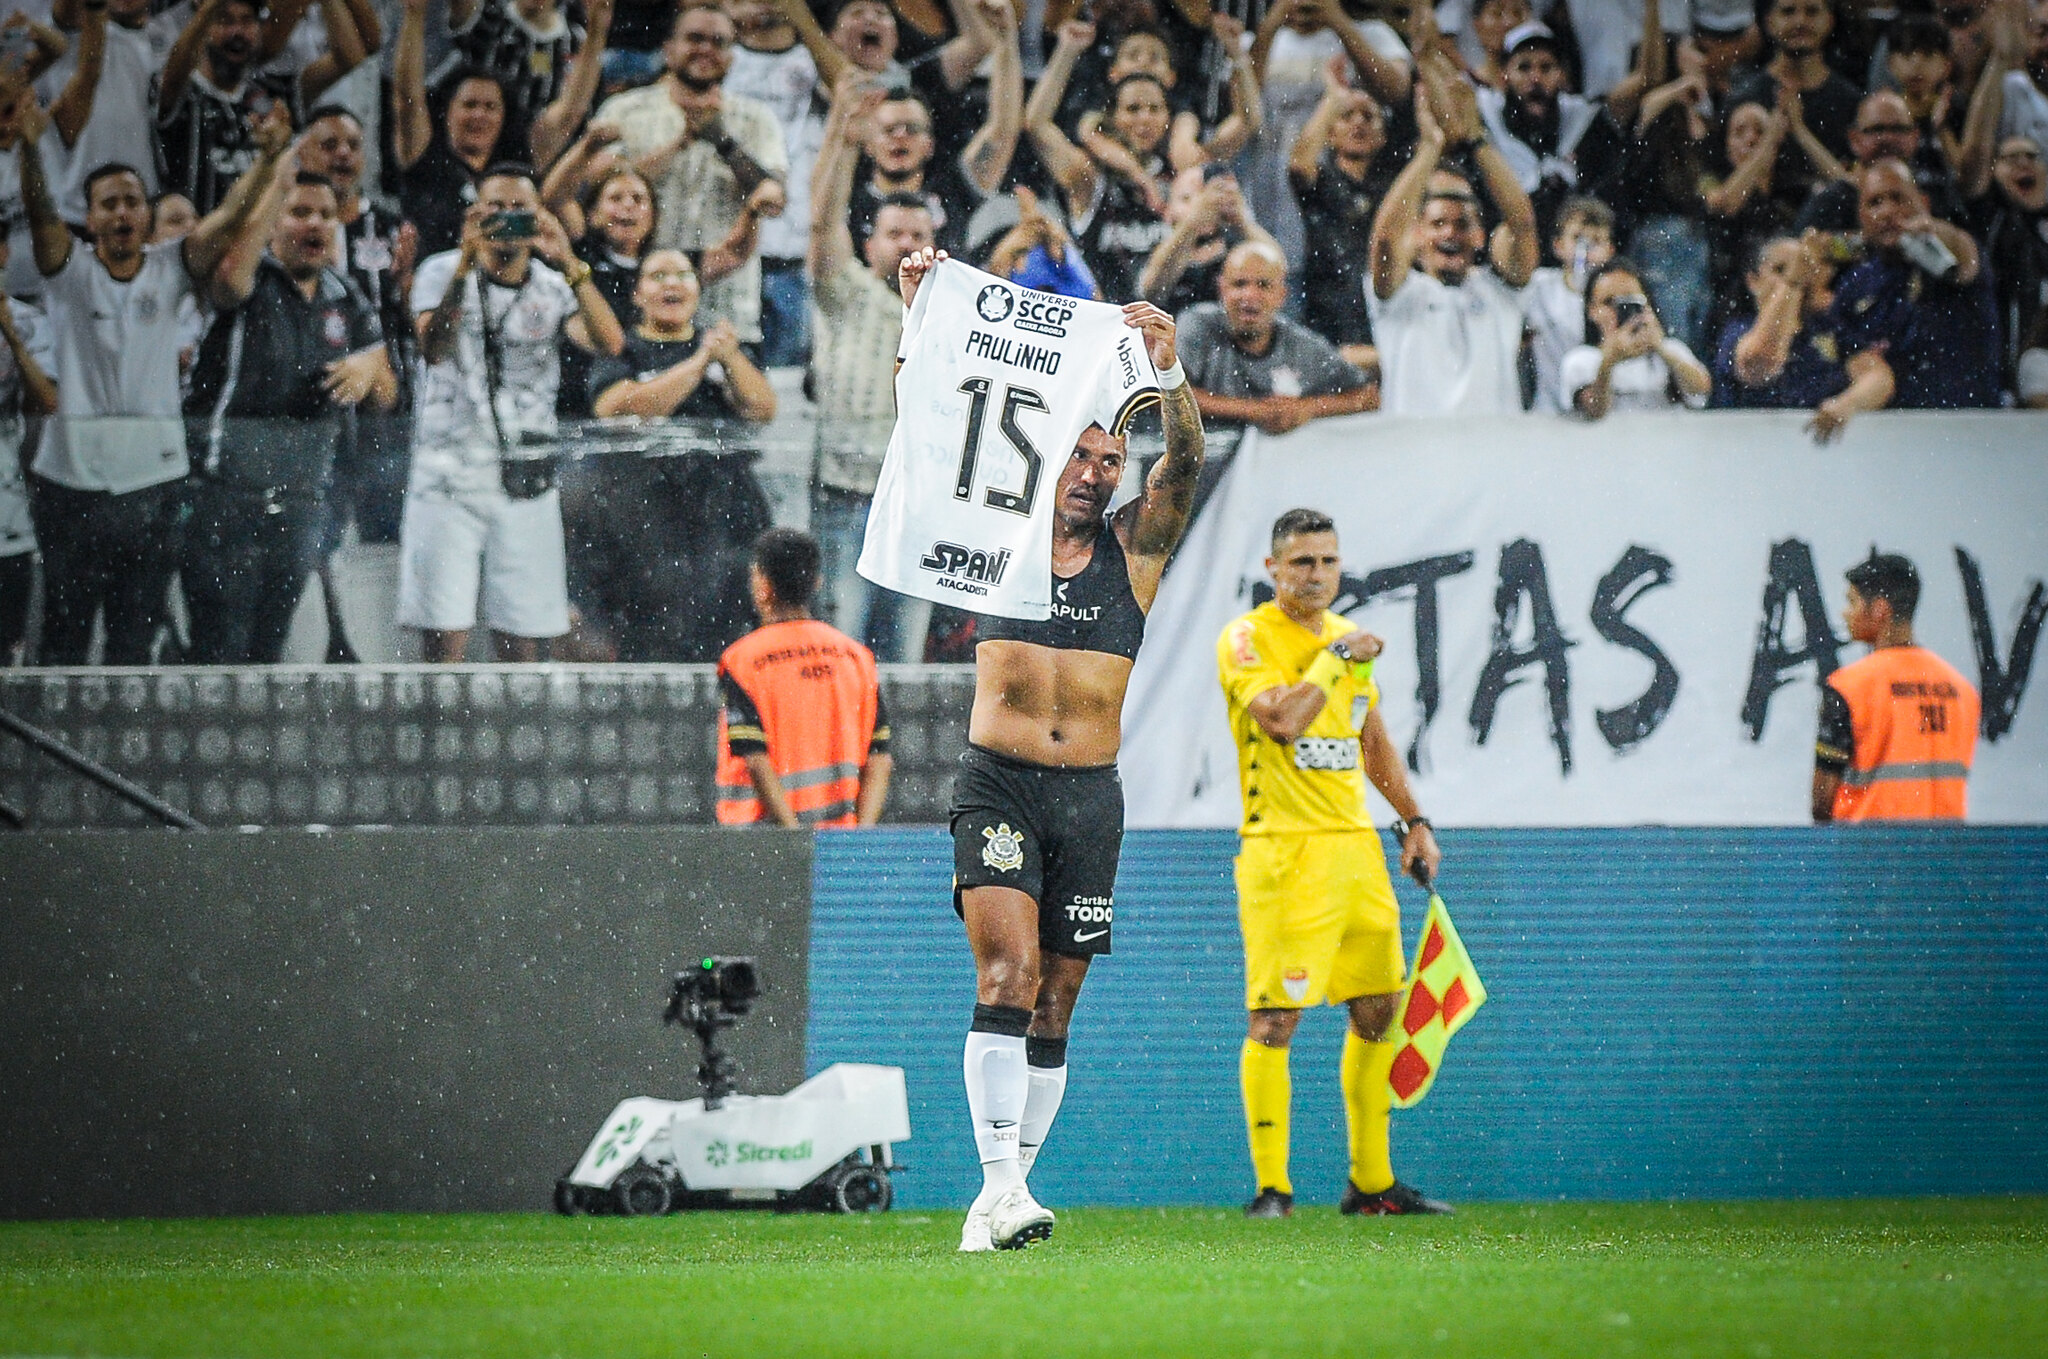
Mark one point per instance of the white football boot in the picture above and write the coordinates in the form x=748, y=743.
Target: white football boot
x=1016, y=1219
x=974, y=1233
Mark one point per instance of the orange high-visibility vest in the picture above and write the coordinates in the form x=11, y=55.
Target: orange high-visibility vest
x=1915, y=722
x=815, y=690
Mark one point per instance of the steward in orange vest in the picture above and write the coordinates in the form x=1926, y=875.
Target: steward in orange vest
x=803, y=738
x=1899, y=727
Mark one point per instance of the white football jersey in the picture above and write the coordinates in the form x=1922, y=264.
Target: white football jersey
x=997, y=383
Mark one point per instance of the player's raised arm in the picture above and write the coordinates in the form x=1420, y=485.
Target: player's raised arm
x=1164, y=509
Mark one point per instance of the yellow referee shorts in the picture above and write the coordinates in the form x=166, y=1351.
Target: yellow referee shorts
x=1319, y=918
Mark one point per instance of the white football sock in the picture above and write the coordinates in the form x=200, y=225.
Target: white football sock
x=1041, y=1107
x=997, y=1089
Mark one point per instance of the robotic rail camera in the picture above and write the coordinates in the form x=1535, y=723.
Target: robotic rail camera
x=825, y=1145
x=711, y=997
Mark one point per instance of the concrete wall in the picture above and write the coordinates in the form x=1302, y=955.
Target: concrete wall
x=417, y=1020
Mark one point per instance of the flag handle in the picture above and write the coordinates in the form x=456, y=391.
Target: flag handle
x=1418, y=870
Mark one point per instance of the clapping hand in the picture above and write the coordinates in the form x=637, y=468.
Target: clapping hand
x=854, y=100
x=1459, y=112
x=721, y=342
x=1042, y=229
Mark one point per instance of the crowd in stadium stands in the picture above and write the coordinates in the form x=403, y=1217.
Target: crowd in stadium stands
x=551, y=213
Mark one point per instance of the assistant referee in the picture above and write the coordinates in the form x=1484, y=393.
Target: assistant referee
x=1314, y=901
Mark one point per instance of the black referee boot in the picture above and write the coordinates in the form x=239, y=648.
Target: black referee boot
x=1396, y=1200
x=1270, y=1203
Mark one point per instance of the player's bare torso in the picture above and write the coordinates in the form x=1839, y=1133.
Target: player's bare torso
x=1049, y=706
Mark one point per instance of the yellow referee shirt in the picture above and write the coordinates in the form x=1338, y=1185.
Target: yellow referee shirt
x=1316, y=783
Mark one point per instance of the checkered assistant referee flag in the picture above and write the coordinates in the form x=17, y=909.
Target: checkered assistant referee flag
x=1443, y=992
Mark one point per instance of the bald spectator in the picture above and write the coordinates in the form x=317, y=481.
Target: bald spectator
x=1921, y=299
x=706, y=153
x=1448, y=321
x=1884, y=130
x=1250, y=365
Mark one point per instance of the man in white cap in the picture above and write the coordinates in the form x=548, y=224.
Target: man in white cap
x=1558, y=143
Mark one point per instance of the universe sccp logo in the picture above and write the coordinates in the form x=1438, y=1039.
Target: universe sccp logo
x=995, y=303
x=1044, y=313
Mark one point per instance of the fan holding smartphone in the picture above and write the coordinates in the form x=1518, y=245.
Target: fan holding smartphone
x=1627, y=361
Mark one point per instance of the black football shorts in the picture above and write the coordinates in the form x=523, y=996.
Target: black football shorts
x=1052, y=834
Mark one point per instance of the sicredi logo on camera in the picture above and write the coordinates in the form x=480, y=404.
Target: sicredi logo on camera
x=1043, y=313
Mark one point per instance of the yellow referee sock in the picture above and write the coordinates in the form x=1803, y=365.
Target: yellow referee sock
x=1267, y=1093
x=1367, y=1101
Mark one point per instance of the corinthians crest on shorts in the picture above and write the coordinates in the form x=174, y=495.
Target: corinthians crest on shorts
x=1004, y=851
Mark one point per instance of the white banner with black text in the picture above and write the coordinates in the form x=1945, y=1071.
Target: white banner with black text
x=1614, y=624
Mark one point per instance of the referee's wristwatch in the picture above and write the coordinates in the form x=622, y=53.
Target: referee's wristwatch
x=1343, y=652
x=1405, y=828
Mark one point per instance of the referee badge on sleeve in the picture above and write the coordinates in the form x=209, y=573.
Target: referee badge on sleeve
x=1004, y=851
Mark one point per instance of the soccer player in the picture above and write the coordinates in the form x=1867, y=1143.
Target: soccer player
x=1037, y=809
x=1314, y=901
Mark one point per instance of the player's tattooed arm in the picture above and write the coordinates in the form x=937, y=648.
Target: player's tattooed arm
x=1169, y=499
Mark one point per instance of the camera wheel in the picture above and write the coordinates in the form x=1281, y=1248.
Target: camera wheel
x=641, y=1192
x=857, y=1187
x=565, y=1198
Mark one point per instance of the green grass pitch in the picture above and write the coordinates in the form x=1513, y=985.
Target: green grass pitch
x=1964, y=1277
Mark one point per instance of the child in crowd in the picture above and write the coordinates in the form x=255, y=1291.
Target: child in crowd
x=1557, y=311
